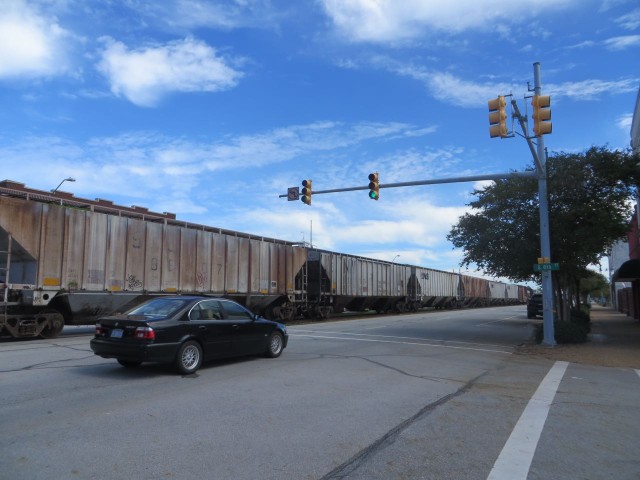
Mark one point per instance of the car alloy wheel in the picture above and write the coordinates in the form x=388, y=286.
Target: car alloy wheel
x=189, y=357
x=275, y=345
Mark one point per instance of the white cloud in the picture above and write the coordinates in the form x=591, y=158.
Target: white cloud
x=145, y=75
x=591, y=89
x=396, y=20
x=225, y=15
x=458, y=91
x=624, y=121
x=631, y=20
x=623, y=42
x=31, y=45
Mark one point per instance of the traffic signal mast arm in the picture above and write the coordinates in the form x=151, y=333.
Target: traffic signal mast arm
x=436, y=181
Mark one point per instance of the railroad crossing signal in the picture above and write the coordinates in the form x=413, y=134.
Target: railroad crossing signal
x=541, y=115
x=306, y=191
x=498, y=117
x=374, y=186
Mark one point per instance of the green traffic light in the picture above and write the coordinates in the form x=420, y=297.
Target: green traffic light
x=373, y=195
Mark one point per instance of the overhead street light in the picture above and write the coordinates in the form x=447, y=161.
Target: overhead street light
x=68, y=179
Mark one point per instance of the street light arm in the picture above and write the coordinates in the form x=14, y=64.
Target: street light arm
x=68, y=179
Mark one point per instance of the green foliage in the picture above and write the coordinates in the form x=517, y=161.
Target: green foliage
x=565, y=332
x=575, y=330
x=580, y=317
x=588, y=211
x=594, y=284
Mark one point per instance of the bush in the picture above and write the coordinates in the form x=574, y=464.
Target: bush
x=581, y=317
x=565, y=332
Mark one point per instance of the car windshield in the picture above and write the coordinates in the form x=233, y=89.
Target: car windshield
x=160, y=307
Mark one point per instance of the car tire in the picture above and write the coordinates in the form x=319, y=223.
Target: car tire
x=275, y=345
x=189, y=357
x=129, y=363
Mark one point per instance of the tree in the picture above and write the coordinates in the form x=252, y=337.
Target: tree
x=594, y=285
x=589, y=209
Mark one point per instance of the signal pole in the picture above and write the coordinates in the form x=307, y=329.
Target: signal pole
x=545, y=244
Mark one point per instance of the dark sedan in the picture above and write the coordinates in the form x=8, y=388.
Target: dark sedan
x=185, y=331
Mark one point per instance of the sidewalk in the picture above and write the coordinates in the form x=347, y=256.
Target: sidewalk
x=614, y=341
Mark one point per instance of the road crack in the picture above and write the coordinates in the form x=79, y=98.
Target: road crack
x=351, y=465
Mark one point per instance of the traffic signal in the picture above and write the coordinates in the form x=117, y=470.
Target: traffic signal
x=498, y=117
x=541, y=114
x=306, y=192
x=374, y=186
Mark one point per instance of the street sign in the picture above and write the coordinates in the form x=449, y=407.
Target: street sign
x=293, y=193
x=546, y=266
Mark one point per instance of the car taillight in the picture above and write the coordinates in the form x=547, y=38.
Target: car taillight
x=146, y=333
x=100, y=331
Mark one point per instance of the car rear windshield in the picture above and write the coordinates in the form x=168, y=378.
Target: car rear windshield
x=160, y=307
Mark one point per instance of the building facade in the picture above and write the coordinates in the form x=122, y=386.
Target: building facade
x=628, y=273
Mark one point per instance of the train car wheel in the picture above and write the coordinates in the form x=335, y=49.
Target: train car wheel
x=56, y=324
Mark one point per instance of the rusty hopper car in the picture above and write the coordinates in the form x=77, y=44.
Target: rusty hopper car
x=68, y=261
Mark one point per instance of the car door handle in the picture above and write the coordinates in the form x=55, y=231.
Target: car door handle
x=202, y=327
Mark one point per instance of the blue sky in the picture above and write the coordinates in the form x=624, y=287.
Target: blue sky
x=212, y=109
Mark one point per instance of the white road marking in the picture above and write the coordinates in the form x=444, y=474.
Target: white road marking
x=399, y=343
x=400, y=337
x=495, y=321
x=514, y=460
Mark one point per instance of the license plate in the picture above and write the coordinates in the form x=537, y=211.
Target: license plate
x=116, y=333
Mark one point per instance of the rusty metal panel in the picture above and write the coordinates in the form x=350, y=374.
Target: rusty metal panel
x=231, y=264
x=218, y=263
x=135, y=259
x=95, y=252
x=275, y=285
x=50, y=258
x=153, y=257
x=187, y=260
x=297, y=262
x=475, y=287
x=22, y=220
x=116, y=253
x=204, y=242
x=244, y=258
x=280, y=274
x=170, y=259
x=255, y=268
x=73, y=248
x=268, y=283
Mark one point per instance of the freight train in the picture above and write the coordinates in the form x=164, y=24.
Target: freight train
x=66, y=261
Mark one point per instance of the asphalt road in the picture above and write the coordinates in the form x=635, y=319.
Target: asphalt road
x=441, y=395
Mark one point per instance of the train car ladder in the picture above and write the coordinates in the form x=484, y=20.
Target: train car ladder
x=4, y=278
x=305, y=282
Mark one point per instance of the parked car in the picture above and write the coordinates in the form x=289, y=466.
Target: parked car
x=185, y=331
x=534, y=305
